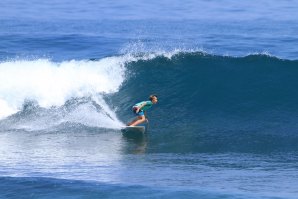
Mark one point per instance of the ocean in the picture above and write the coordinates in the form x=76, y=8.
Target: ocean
x=225, y=73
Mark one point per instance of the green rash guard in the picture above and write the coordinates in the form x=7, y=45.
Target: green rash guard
x=146, y=107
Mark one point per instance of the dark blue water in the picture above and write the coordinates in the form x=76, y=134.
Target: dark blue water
x=225, y=73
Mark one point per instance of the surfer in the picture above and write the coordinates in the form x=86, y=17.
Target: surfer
x=140, y=108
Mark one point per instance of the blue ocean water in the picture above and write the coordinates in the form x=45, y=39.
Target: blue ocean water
x=225, y=73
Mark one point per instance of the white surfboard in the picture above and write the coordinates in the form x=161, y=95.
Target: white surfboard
x=133, y=129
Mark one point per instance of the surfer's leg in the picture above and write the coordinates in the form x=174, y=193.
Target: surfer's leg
x=139, y=120
x=132, y=121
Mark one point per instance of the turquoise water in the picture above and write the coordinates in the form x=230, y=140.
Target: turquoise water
x=225, y=74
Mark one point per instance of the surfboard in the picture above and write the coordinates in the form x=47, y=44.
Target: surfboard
x=133, y=129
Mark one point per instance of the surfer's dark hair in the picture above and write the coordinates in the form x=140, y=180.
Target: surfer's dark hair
x=152, y=96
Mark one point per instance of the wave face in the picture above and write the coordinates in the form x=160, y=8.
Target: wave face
x=217, y=103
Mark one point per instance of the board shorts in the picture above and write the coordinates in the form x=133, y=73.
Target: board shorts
x=140, y=113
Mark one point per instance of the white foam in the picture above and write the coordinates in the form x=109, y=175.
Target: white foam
x=51, y=84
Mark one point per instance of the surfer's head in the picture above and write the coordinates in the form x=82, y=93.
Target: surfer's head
x=153, y=98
